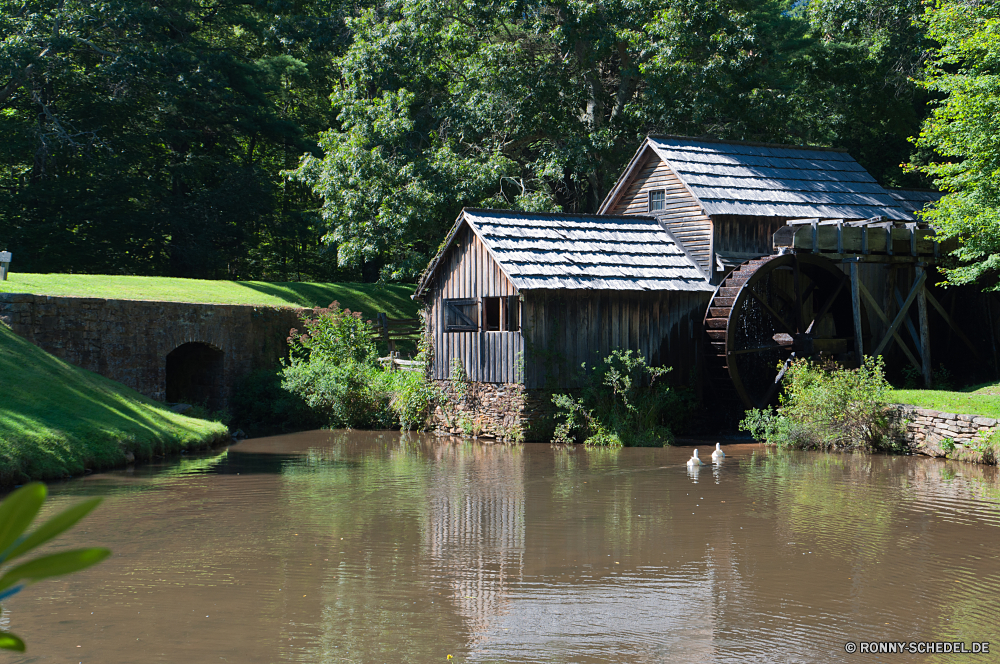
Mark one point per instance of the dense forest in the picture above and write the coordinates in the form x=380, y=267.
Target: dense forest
x=326, y=140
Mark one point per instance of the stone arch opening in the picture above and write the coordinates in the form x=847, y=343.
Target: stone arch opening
x=194, y=375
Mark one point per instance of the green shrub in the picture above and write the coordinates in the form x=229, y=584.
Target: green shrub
x=335, y=371
x=825, y=406
x=985, y=451
x=618, y=407
x=411, y=398
x=261, y=407
x=336, y=335
x=347, y=395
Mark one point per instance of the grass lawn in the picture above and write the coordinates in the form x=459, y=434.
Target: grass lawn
x=394, y=299
x=57, y=419
x=977, y=400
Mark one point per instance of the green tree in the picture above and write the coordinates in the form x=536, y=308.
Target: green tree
x=857, y=86
x=964, y=131
x=505, y=103
x=149, y=138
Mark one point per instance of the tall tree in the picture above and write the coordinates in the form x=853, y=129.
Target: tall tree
x=149, y=137
x=964, y=131
x=536, y=105
x=859, y=88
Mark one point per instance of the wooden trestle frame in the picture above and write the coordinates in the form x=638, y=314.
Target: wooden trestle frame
x=879, y=241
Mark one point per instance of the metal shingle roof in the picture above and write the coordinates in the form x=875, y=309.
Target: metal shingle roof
x=564, y=251
x=774, y=181
x=915, y=199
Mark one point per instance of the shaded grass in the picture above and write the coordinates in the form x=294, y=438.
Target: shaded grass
x=394, y=299
x=976, y=400
x=57, y=419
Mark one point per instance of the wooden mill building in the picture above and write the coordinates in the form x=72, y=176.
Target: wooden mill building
x=724, y=200
x=516, y=301
x=517, y=297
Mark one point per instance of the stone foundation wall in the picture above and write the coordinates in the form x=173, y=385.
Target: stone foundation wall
x=507, y=412
x=924, y=431
x=128, y=340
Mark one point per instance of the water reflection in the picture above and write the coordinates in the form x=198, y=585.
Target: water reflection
x=475, y=530
x=375, y=547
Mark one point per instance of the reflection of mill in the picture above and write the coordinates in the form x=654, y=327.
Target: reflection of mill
x=475, y=529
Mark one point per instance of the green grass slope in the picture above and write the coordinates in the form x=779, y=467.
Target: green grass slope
x=57, y=419
x=394, y=299
x=978, y=400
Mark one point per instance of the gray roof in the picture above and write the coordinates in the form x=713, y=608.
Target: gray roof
x=776, y=181
x=915, y=199
x=565, y=251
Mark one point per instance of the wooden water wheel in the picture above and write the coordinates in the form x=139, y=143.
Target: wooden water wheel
x=771, y=310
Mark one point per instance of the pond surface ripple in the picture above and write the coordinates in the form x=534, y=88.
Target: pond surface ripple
x=331, y=546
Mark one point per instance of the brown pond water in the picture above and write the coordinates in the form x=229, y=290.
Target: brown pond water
x=380, y=547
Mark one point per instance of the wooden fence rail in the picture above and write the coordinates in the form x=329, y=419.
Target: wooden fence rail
x=391, y=330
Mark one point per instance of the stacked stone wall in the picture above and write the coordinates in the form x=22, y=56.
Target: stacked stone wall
x=924, y=431
x=128, y=340
x=506, y=412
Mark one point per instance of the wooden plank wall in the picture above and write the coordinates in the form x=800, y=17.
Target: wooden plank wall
x=470, y=272
x=745, y=234
x=566, y=328
x=681, y=213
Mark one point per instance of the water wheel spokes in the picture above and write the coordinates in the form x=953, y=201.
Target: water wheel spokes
x=772, y=310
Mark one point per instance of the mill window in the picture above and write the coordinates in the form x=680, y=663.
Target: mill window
x=491, y=314
x=513, y=306
x=461, y=315
x=656, y=200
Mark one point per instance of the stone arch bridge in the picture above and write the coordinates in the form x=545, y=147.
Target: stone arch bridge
x=169, y=351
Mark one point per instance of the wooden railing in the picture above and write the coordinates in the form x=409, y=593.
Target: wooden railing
x=391, y=330
x=393, y=363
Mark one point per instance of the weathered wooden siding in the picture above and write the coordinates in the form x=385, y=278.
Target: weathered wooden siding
x=470, y=272
x=681, y=214
x=745, y=234
x=565, y=328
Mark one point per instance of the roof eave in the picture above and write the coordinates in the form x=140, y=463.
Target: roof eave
x=624, y=179
x=432, y=267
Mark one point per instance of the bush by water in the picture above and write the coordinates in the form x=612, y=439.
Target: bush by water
x=334, y=369
x=825, y=406
x=618, y=407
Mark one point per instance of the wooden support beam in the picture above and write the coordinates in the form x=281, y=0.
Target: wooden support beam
x=917, y=285
x=909, y=324
x=948, y=319
x=856, y=308
x=885, y=319
x=826, y=306
x=925, y=331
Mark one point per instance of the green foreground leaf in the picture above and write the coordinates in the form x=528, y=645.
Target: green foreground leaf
x=18, y=510
x=10, y=642
x=54, y=565
x=53, y=527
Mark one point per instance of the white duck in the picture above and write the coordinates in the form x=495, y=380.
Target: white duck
x=718, y=454
x=695, y=461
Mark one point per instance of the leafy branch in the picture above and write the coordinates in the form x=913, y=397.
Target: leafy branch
x=17, y=512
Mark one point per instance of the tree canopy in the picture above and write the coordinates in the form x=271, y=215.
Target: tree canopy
x=298, y=139
x=963, y=130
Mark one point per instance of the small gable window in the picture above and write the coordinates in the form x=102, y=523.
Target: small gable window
x=461, y=315
x=656, y=200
